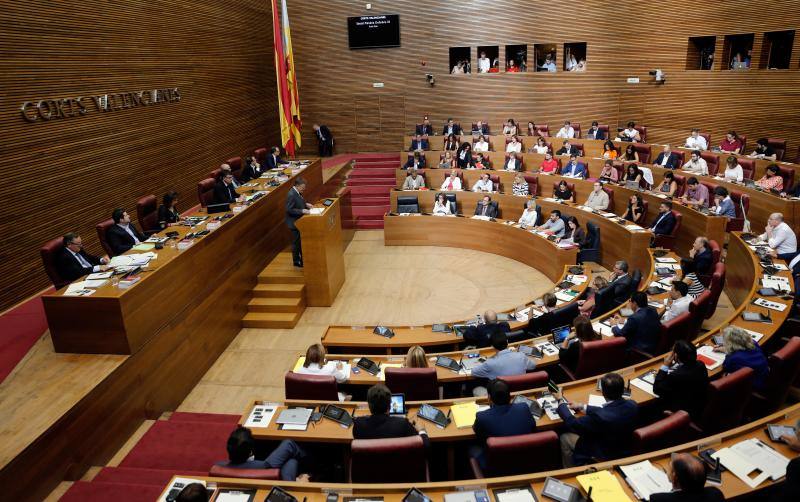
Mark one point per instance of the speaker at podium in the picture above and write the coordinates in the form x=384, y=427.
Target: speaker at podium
x=323, y=252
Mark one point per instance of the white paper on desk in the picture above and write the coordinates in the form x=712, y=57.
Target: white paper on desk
x=780, y=266
x=547, y=348
x=634, y=228
x=294, y=427
x=755, y=335
x=515, y=496
x=550, y=199
x=577, y=279
x=94, y=283
x=602, y=329
x=644, y=386
x=608, y=215
x=317, y=210
x=481, y=217
x=595, y=400
x=764, y=456
x=777, y=283
x=717, y=357
x=99, y=275
x=78, y=289
x=666, y=259
x=261, y=415
x=763, y=302
x=233, y=497
x=645, y=479
x=564, y=296
x=740, y=466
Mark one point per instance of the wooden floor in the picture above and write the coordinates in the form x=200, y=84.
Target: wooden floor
x=385, y=285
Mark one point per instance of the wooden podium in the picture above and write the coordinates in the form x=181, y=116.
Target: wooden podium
x=323, y=255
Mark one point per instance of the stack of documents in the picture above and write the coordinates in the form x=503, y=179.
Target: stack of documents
x=78, y=289
x=763, y=302
x=382, y=372
x=711, y=359
x=547, y=348
x=595, y=400
x=132, y=260
x=645, y=479
x=566, y=295
x=261, y=415
x=645, y=382
x=317, y=210
x=604, y=485
x=776, y=282
x=753, y=461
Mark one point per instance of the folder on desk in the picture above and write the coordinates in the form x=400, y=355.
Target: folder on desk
x=645, y=479
x=604, y=485
x=464, y=413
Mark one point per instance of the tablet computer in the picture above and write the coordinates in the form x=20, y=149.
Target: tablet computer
x=397, y=404
x=776, y=431
x=337, y=414
x=368, y=365
x=447, y=362
x=432, y=414
x=560, y=334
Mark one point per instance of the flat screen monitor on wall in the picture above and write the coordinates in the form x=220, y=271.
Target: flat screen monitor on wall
x=369, y=32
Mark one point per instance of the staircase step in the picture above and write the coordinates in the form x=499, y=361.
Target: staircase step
x=369, y=212
x=371, y=201
x=279, y=290
x=385, y=182
x=359, y=191
x=282, y=277
x=385, y=172
x=279, y=305
x=271, y=320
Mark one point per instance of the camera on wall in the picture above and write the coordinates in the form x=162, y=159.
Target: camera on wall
x=430, y=79
x=660, y=76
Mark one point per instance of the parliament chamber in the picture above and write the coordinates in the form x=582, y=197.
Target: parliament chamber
x=403, y=251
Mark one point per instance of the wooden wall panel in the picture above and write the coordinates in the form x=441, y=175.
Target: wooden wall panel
x=69, y=174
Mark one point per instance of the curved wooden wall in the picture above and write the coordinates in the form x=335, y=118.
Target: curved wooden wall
x=69, y=174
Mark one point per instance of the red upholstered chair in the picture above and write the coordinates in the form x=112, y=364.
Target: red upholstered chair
x=533, y=184
x=598, y=357
x=147, y=214
x=748, y=167
x=797, y=156
x=236, y=166
x=261, y=155
x=680, y=155
x=571, y=187
x=698, y=309
x=604, y=128
x=681, y=181
x=643, y=151
x=610, y=191
x=544, y=130
x=101, y=229
x=394, y=460
x=642, y=220
x=525, y=381
x=496, y=185
x=715, y=285
x=223, y=471
x=669, y=431
x=674, y=330
x=311, y=387
x=578, y=146
x=725, y=402
x=712, y=161
x=716, y=251
x=741, y=202
x=710, y=186
x=743, y=139
x=577, y=128
x=707, y=136
x=214, y=175
x=49, y=251
x=779, y=145
x=512, y=455
x=784, y=366
x=668, y=241
x=787, y=173
x=205, y=191
x=418, y=384
x=642, y=133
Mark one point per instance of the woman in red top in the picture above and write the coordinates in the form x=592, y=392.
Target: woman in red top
x=771, y=180
x=731, y=143
x=549, y=164
x=511, y=67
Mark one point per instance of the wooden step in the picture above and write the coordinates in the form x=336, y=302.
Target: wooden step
x=281, y=277
x=279, y=290
x=284, y=305
x=271, y=320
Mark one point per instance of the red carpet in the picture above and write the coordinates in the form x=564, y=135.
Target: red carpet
x=180, y=446
x=83, y=491
x=371, y=180
x=20, y=328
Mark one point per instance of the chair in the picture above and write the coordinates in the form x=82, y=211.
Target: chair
x=748, y=167
x=49, y=251
x=236, y=166
x=407, y=204
x=674, y=330
x=496, y=185
x=603, y=301
x=205, y=191
x=712, y=161
x=669, y=431
x=725, y=402
x=214, y=175
x=261, y=155
x=563, y=316
x=643, y=151
x=451, y=198
x=636, y=280
x=533, y=184
x=516, y=383
x=698, y=309
x=741, y=202
x=709, y=186
x=544, y=130
x=101, y=229
x=598, y=357
x=715, y=285
x=668, y=241
x=681, y=181
x=517, y=335
x=716, y=251
x=223, y=471
x=418, y=384
x=571, y=187
x=147, y=214
x=604, y=128
x=707, y=136
x=393, y=460
x=610, y=192
x=784, y=366
x=797, y=155
x=680, y=155
x=577, y=128
x=512, y=455
x=779, y=146
x=311, y=387
x=578, y=146
x=642, y=133
x=591, y=249
x=642, y=219
x=743, y=139
x=787, y=173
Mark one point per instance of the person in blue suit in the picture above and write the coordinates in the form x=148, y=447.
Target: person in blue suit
x=602, y=432
x=667, y=159
x=574, y=168
x=665, y=221
x=641, y=330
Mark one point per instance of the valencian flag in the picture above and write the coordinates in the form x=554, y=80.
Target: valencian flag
x=288, y=97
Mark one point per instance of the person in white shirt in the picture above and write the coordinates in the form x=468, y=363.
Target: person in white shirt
x=571, y=62
x=316, y=364
x=629, y=134
x=679, y=301
x=780, y=237
x=442, y=205
x=452, y=182
x=481, y=145
x=696, y=164
x=567, y=132
x=458, y=69
x=484, y=184
x=510, y=129
x=483, y=63
x=696, y=142
x=549, y=64
x=733, y=171
x=529, y=215
x=540, y=147
x=598, y=198
x=413, y=180
x=514, y=146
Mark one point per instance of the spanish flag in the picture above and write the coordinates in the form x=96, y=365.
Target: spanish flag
x=288, y=98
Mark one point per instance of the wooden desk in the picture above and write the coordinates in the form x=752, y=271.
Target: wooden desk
x=323, y=255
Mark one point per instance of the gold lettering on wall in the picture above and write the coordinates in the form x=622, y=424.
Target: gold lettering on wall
x=45, y=110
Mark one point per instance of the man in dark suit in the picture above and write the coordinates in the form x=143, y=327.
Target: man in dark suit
x=224, y=191
x=568, y=149
x=688, y=476
x=274, y=159
x=73, y=262
x=682, y=381
x=667, y=159
x=451, y=128
x=296, y=207
x=702, y=255
x=603, y=432
x=481, y=335
x=481, y=129
x=594, y=132
x=419, y=143
x=500, y=420
x=486, y=208
x=642, y=329
x=123, y=235
x=286, y=457
x=324, y=140
x=665, y=221
x=379, y=424
x=621, y=281
x=425, y=128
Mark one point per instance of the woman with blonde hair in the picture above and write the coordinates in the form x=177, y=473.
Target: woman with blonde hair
x=586, y=306
x=415, y=358
x=741, y=351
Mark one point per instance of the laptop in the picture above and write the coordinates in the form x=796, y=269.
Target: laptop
x=397, y=404
x=560, y=334
x=294, y=416
x=632, y=185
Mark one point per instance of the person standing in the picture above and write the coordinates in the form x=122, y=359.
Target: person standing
x=324, y=139
x=296, y=207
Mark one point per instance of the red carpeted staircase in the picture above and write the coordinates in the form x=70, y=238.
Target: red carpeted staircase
x=186, y=444
x=370, y=181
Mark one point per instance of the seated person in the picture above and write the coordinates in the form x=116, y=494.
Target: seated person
x=447, y=161
x=451, y=144
x=316, y=363
x=123, y=234
x=451, y=128
x=621, y=281
x=679, y=301
x=486, y=208
x=543, y=324
x=425, y=128
x=505, y=362
x=224, y=191
x=574, y=169
x=742, y=352
x=608, y=174
x=763, y=150
x=532, y=131
x=586, y=306
x=520, y=186
x=252, y=169
x=733, y=171
x=464, y=156
x=73, y=262
x=512, y=163
x=554, y=224
x=696, y=164
x=510, y=128
x=668, y=185
x=452, y=182
x=598, y=198
x=562, y=191
x=549, y=165
x=666, y=159
x=529, y=216
x=573, y=233
x=731, y=143
x=682, y=380
x=635, y=209
x=630, y=154
x=514, y=146
x=632, y=173
x=274, y=160
x=286, y=457
x=378, y=424
x=540, y=147
x=642, y=329
x=481, y=128
x=481, y=335
x=442, y=205
x=415, y=358
x=482, y=162
x=549, y=64
x=723, y=204
x=701, y=254
x=665, y=221
x=168, y=215
x=771, y=180
x=500, y=420
x=570, y=348
x=566, y=132
x=594, y=132
x=630, y=133
x=417, y=161
x=688, y=477
x=225, y=168
x=568, y=149
x=609, y=150
x=695, y=141
x=414, y=181
x=696, y=193
x=602, y=432
x=481, y=145
x=780, y=237
x=484, y=184
x=689, y=276
x=418, y=143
